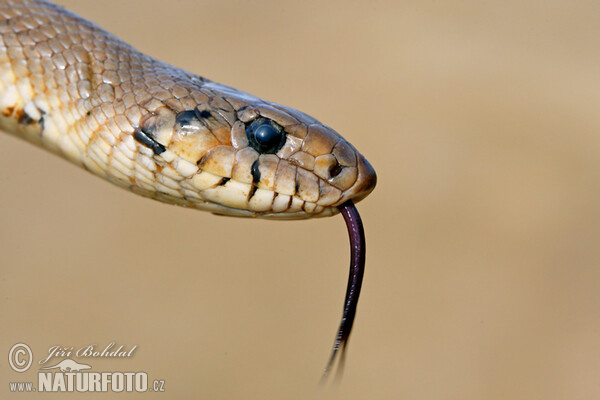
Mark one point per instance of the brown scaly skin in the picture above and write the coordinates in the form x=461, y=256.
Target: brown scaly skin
x=159, y=131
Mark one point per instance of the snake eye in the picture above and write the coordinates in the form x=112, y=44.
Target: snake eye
x=265, y=136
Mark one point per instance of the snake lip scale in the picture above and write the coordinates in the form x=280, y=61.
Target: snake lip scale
x=70, y=87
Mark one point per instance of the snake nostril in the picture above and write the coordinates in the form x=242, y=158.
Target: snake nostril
x=335, y=170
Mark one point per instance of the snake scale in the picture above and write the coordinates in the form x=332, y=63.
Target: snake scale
x=74, y=89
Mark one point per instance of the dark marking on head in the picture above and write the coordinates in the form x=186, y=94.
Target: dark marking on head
x=252, y=191
x=224, y=181
x=148, y=141
x=192, y=117
x=88, y=113
x=203, y=114
x=187, y=117
x=255, y=172
x=25, y=119
x=335, y=170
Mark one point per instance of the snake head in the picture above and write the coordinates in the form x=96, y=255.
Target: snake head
x=256, y=158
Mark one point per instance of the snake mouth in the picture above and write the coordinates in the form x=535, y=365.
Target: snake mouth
x=357, y=269
x=301, y=213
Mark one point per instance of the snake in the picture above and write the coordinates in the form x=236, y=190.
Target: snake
x=70, y=87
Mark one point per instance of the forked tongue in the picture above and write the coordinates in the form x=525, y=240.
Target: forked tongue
x=357, y=270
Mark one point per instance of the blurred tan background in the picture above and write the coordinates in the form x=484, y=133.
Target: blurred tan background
x=483, y=279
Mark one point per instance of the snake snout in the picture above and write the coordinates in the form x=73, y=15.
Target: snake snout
x=365, y=182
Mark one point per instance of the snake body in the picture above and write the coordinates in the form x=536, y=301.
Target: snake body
x=74, y=89
x=159, y=131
